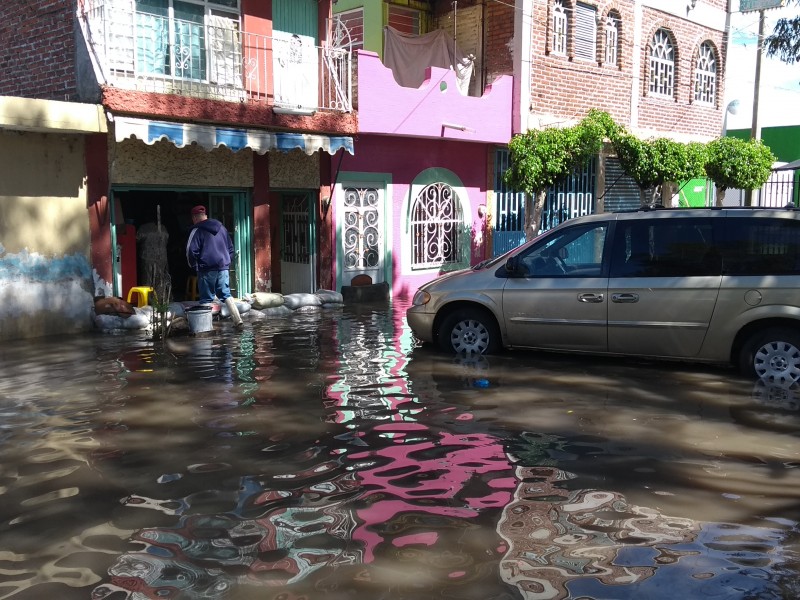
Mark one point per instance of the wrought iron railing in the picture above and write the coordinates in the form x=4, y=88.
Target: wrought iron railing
x=213, y=59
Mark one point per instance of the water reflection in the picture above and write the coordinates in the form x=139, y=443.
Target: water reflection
x=327, y=453
x=556, y=535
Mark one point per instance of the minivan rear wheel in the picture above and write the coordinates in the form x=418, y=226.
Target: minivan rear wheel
x=469, y=331
x=772, y=355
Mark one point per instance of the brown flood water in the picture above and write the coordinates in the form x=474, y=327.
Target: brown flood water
x=329, y=456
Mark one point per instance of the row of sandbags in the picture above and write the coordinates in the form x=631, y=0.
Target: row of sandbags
x=273, y=304
x=114, y=314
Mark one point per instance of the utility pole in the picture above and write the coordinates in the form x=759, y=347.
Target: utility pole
x=755, y=129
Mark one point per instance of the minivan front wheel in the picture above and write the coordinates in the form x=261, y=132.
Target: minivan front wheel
x=469, y=331
x=772, y=355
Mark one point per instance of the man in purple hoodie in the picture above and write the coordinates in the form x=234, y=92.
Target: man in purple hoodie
x=210, y=252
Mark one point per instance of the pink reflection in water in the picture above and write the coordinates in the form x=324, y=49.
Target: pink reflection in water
x=408, y=482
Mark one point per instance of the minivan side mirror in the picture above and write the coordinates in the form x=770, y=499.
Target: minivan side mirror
x=514, y=266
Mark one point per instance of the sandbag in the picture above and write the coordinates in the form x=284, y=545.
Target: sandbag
x=176, y=309
x=106, y=322
x=329, y=296
x=116, y=323
x=276, y=311
x=113, y=306
x=295, y=301
x=138, y=321
x=308, y=309
x=265, y=299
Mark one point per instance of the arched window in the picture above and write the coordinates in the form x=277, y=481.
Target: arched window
x=611, y=53
x=559, y=29
x=436, y=225
x=662, y=65
x=705, y=75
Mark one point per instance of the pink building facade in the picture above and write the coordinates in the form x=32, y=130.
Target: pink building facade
x=411, y=202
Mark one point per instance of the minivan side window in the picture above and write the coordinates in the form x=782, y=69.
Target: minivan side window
x=758, y=246
x=665, y=248
x=572, y=252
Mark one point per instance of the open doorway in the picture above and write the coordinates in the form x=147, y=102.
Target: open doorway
x=154, y=227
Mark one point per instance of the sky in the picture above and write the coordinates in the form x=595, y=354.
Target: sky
x=779, y=98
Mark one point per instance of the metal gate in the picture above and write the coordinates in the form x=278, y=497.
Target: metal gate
x=509, y=217
x=571, y=197
x=297, y=252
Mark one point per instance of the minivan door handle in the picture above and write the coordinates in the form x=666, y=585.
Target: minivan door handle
x=590, y=298
x=625, y=298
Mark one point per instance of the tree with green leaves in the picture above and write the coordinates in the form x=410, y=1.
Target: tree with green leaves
x=653, y=163
x=539, y=158
x=785, y=39
x=732, y=163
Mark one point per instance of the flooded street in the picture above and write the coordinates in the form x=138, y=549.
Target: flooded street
x=327, y=455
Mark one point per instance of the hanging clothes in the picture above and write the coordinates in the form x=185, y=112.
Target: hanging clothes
x=409, y=56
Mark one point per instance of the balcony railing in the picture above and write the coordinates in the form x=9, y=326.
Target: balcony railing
x=214, y=60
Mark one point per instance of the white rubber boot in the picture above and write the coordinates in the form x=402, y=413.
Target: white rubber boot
x=235, y=316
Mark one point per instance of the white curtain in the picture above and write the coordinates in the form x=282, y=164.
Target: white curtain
x=225, y=57
x=295, y=71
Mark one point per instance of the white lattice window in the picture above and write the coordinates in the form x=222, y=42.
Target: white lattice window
x=705, y=75
x=436, y=227
x=612, y=41
x=559, y=29
x=585, y=32
x=662, y=65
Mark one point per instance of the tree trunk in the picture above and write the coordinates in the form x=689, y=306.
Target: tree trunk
x=720, y=196
x=534, y=207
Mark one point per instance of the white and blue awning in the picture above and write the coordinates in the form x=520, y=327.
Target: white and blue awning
x=210, y=137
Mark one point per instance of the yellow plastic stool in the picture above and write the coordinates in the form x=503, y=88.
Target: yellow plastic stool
x=191, y=288
x=142, y=295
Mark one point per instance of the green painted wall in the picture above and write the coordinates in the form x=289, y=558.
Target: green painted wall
x=783, y=141
x=373, y=21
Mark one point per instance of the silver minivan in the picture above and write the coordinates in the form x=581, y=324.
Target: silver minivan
x=718, y=285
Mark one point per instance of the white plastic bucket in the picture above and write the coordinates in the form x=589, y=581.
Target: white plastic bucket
x=199, y=318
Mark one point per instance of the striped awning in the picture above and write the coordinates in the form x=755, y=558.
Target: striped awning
x=210, y=137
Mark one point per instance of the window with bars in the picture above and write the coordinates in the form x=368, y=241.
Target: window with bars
x=705, y=75
x=662, y=65
x=559, y=39
x=585, y=32
x=611, y=54
x=191, y=40
x=436, y=226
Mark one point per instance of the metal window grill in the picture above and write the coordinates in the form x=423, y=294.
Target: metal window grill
x=361, y=228
x=705, y=75
x=662, y=65
x=612, y=41
x=436, y=221
x=559, y=29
